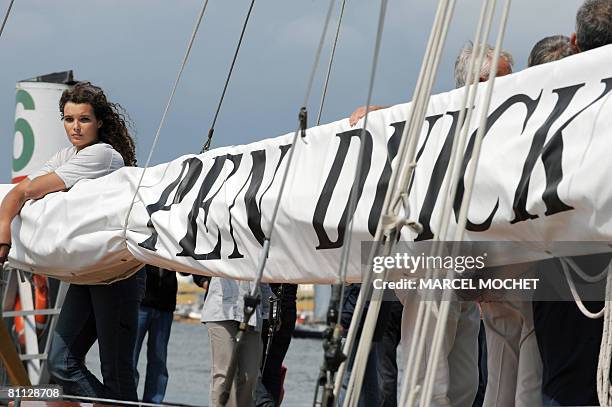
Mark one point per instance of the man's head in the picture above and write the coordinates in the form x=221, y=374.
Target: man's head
x=593, y=25
x=504, y=65
x=550, y=49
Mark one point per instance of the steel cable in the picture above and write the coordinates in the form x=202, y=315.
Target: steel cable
x=165, y=113
x=208, y=142
x=6, y=16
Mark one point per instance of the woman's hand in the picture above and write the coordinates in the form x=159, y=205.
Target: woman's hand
x=10, y=207
x=4, y=251
x=5, y=241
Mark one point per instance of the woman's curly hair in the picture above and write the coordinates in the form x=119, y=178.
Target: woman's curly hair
x=115, y=120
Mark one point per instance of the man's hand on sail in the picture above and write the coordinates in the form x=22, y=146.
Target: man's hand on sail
x=360, y=112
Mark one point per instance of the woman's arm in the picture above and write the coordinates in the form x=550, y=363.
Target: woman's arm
x=43, y=185
x=14, y=200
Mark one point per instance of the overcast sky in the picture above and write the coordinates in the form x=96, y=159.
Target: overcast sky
x=133, y=49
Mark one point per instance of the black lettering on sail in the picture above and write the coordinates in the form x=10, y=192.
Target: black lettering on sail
x=235, y=159
x=183, y=185
x=188, y=242
x=250, y=198
x=330, y=185
x=235, y=253
x=431, y=121
x=551, y=154
x=383, y=182
x=253, y=207
x=435, y=183
x=530, y=105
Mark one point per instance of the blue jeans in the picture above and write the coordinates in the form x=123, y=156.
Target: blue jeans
x=157, y=324
x=370, y=388
x=386, y=355
x=108, y=313
x=482, y=366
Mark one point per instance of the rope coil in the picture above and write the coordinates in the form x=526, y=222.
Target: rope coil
x=564, y=265
x=604, y=390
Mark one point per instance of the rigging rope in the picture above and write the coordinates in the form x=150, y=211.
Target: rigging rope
x=404, y=144
x=332, y=344
x=576, y=296
x=396, y=193
x=331, y=61
x=419, y=106
x=467, y=196
x=227, y=80
x=333, y=356
x=440, y=329
x=251, y=300
x=6, y=16
x=604, y=390
x=166, y=109
x=565, y=262
x=427, y=308
x=346, y=244
x=589, y=279
x=268, y=237
x=353, y=198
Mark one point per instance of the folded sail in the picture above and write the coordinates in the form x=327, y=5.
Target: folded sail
x=542, y=176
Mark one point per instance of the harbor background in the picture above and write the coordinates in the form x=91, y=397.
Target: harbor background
x=189, y=351
x=189, y=367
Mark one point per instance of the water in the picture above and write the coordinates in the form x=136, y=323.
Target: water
x=189, y=367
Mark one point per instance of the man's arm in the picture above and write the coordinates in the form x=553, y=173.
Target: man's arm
x=361, y=112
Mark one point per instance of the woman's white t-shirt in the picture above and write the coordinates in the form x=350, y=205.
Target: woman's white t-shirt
x=91, y=162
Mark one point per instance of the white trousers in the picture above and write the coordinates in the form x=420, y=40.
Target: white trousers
x=456, y=380
x=222, y=335
x=513, y=359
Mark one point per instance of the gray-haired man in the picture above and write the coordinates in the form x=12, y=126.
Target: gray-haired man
x=504, y=65
x=514, y=369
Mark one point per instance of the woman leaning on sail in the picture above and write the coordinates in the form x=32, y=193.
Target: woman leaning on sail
x=97, y=130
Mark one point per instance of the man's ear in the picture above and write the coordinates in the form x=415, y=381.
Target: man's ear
x=574, y=42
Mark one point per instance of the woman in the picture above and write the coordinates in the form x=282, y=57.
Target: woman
x=97, y=130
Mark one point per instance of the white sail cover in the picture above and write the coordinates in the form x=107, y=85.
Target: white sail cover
x=543, y=176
